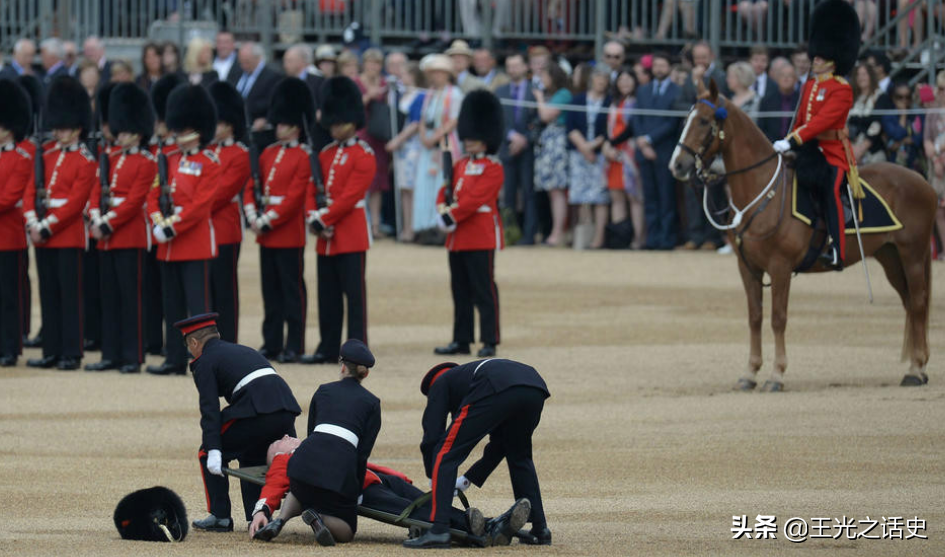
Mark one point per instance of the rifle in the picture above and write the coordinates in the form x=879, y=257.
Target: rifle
x=315, y=166
x=254, y=167
x=39, y=169
x=104, y=170
x=447, y=171
x=165, y=203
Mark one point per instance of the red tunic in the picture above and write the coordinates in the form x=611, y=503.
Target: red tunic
x=234, y=163
x=70, y=175
x=132, y=173
x=475, y=209
x=825, y=103
x=16, y=171
x=286, y=176
x=348, y=170
x=193, y=188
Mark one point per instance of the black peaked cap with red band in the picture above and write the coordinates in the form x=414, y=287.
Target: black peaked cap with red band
x=356, y=352
x=197, y=322
x=434, y=374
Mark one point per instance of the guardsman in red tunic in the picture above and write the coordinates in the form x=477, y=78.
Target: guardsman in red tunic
x=16, y=171
x=279, y=223
x=227, y=220
x=185, y=232
x=825, y=102
x=471, y=219
x=348, y=166
x=60, y=235
x=119, y=223
x=34, y=88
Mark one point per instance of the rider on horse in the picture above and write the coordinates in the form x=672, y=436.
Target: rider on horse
x=822, y=115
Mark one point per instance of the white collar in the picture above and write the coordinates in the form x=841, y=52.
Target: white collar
x=8, y=146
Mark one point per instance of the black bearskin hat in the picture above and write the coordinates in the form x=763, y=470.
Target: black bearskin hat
x=67, y=105
x=480, y=117
x=160, y=91
x=230, y=107
x=34, y=89
x=16, y=109
x=341, y=103
x=142, y=514
x=102, y=98
x=835, y=34
x=130, y=112
x=291, y=101
x=190, y=106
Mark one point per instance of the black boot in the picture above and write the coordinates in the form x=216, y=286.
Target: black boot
x=268, y=532
x=535, y=536
x=317, y=358
x=501, y=529
x=831, y=258
x=167, y=369
x=429, y=540
x=45, y=362
x=214, y=524
x=452, y=348
x=103, y=365
x=322, y=534
x=487, y=351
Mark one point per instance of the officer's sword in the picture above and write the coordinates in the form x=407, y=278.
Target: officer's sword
x=859, y=241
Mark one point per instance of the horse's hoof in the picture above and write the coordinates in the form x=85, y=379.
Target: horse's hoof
x=772, y=386
x=746, y=385
x=914, y=380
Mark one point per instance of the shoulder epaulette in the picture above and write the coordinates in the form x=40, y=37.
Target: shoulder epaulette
x=23, y=153
x=147, y=154
x=211, y=155
x=305, y=147
x=841, y=79
x=494, y=158
x=241, y=145
x=50, y=150
x=364, y=145
x=329, y=146
x=86, y=153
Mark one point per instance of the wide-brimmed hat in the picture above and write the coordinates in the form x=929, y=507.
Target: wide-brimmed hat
x=436, y=62
x=459, y=46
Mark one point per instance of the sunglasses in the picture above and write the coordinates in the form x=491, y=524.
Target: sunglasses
x=902, y=97
x=613, y=56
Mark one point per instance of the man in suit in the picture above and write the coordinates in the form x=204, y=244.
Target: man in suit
x=485, y=65
x=614, y=56
x=461, y=54
x=225, y=63
x=783, y=98
x=656, y=139
x=94, y=50
x=295, y=63
x=256, y=83
x=22, y=64
x=759, y=62
x=517, y=153
x=51, y=52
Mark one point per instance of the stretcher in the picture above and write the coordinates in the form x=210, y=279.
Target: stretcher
x=257, y=475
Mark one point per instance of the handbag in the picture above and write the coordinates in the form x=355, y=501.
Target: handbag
x=378, y=121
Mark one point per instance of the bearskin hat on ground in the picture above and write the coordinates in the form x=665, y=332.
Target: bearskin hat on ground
x=341, y=103
x=230, y=107
x=160, y=91
x=16, y=109
x=835, y=34
x=67, y=105
x=291, y=102
x=102, y=99
x=155, y=514
x=480, y=117
x=190, y=106
x=34, y=89
x=130, y=112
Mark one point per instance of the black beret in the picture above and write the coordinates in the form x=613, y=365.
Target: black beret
x=152, y=514
x=432, y=375
x=357, y=352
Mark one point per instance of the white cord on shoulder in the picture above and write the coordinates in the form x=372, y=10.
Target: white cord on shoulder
x=740, y=213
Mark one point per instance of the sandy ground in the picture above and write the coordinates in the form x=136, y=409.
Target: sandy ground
x=643, y=447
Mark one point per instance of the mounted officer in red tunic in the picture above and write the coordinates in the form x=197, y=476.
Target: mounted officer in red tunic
x=820, y=129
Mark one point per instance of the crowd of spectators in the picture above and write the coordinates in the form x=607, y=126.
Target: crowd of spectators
x=582, y=168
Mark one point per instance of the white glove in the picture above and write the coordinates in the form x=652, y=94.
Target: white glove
x=782, y=145
x=441, y=224
x=462, y=484
x=215, y=462
x=162, y=239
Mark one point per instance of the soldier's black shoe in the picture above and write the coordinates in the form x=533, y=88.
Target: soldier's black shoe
x=91, y=346
x=429, y=540
x=288, y=357
x=268, y=532
x=34, y=342
x=167, y=369
x=104, y=365
x=317, y=358
x=487, y=351
x=46, y=362
x=214, y=524
x=268, y=354
x=475, y=522
x=7, y=361
x=831, y=258
x=535, y=537
x=502, y=528
x=68, y=364
x=452, y=348
x=130, y=368
x=156, y=351
x=322, y=534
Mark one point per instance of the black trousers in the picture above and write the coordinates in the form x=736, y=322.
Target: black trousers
x=186, y=286
x=341, y=277
x=246, y=441
x=60, y=294
x=122, y=274
x=509, y=417
x=225, y=290
x=12, y=264
x=27, y=294
x=153, y=307
x=520, y=177
x=92, y=297
x=284, y=299
x=393, y=495
x=472, y=280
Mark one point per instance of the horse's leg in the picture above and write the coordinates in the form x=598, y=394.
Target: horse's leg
x=889, y=258
x=753, y=292
x=918, y=267
x=780, y=273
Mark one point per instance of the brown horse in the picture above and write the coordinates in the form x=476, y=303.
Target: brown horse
x=768, y=241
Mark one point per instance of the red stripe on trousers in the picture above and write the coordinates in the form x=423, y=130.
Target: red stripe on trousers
x=841, y=222
x=447, y=445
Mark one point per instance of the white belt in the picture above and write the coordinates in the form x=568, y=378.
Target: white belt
x=178, y=209
x=252, y=377
x=484, y=209
x=236, y=199
x=19, y=204
x=276, y=199
x=359, y=204
x=338, y=431
x=116, y=201
x=56, y=202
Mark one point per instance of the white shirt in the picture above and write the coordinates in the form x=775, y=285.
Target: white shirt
x=761, y=85
x=884, y=83
x=223, y=65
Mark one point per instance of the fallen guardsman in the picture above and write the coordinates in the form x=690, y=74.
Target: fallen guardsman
x=387, y=496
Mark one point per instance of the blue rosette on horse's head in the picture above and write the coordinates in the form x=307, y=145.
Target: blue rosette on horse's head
x=835, y=34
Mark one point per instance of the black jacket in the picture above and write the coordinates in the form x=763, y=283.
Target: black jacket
x=257, y=101
x=464, y=385
x=218, y=370
x=330, y=462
